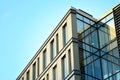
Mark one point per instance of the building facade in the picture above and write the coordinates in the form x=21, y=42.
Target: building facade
x=79, y=48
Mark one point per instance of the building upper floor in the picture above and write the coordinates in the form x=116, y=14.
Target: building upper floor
x=58, y=39
x=76, y=24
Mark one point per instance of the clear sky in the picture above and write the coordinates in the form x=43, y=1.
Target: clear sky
x=25, y=25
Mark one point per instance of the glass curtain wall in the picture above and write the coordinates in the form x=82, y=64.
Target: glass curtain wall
x=99, y=57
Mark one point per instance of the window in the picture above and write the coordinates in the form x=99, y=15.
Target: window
x=52, y=49
x=69, y=56
x=94, y=39
x=38, y=66
x=86, y=20
x=28, y=75
x=105, y=68
x=79, y=25
x=64, y=66
x=34, y=71
x=22, y=78
x=44, y=59
x=47, y=76
x=57, y=43
x=104, y=38
x=65, y=35
x=55, y=73
x=79, y=16
x=97, y=69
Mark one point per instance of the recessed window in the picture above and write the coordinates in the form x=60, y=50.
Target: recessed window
x=65, y=34
x=52, y=49
x=38, y=66
x=57, y=43
x=22, y=78
x=55, y=73
x=34, y=71
x=69, y=56
x=64, y=67
x=44, y=59
x=28, y=75
x=47, y=76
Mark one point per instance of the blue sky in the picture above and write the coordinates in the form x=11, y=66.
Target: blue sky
x=25, y=25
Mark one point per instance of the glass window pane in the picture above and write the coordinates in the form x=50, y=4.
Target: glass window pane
x=110, y=16
x=28, y=75
x=64, y=67
x=57, y=43
x=55, y=73
x=86, y=26
x=94, y=39
x=105, y=68
x=52, y=53
x=22, y=78
x=115, y=52
x=97, y=69
x=79, y=25
x=87, y=20
x=65, y=34
x=44, y=59
x=69, y=56
x=79, y=16
x=34, y=71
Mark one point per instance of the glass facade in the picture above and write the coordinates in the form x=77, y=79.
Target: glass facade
x=90, y=52
x=83, y=22
x=99, y=56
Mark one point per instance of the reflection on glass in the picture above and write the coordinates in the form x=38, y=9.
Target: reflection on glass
x=98, y=50
x=86, y=20
x=79, y=25
x=79, y=16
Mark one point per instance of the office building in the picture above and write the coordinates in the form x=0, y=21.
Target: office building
x=79, y=48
